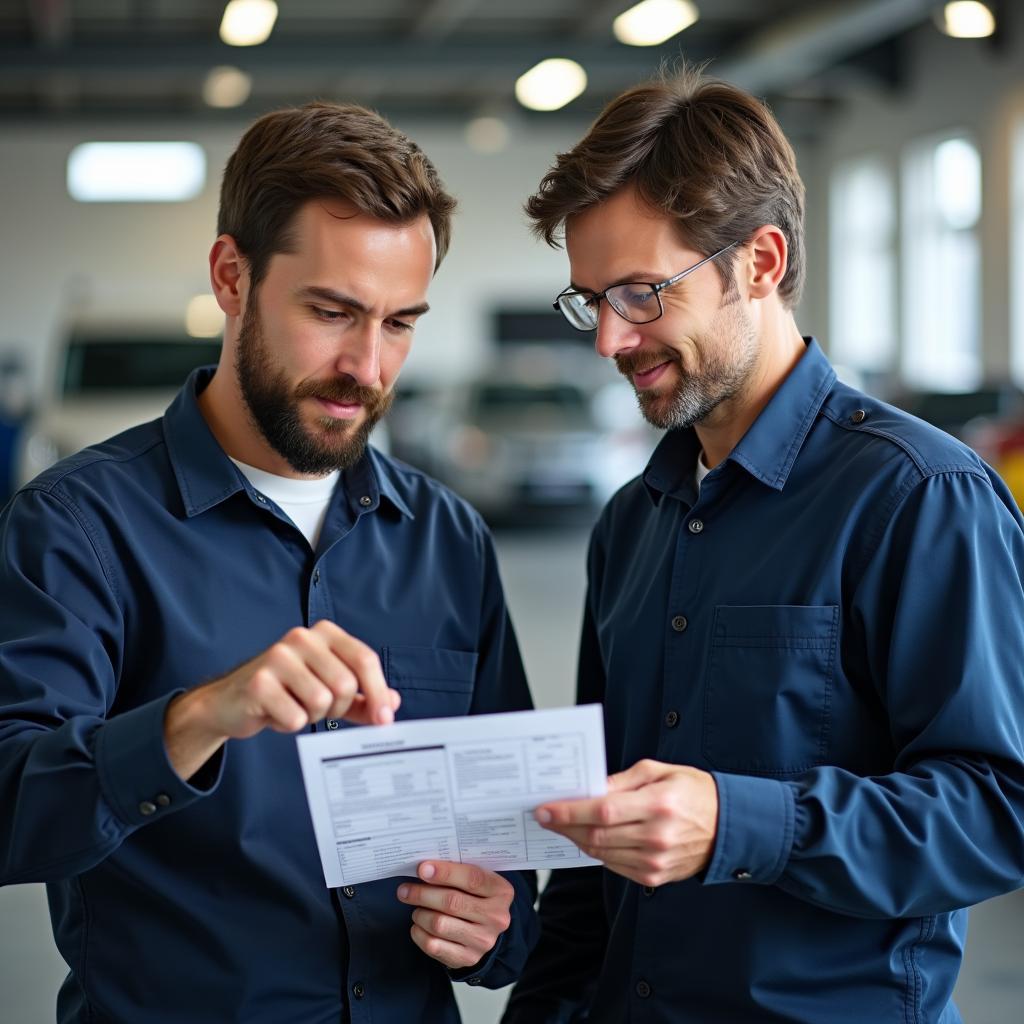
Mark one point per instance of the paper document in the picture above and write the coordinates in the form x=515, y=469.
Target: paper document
x=385, y=798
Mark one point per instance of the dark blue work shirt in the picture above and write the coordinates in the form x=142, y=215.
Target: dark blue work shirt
x=834, y=627
x=149, y=564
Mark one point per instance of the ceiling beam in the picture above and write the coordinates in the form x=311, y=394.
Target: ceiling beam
x=314, y=56
x=802, y=46
x=440, y=18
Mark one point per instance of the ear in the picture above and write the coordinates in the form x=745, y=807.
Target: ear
x=229, y=275
x=769, y=258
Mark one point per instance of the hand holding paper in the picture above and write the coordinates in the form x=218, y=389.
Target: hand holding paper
x=385, y=799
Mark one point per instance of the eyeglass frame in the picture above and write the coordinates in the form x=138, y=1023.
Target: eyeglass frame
x=657, y=289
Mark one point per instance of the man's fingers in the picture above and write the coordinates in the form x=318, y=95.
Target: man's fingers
x=600, y=839
x=614, y=809
x=451, y=954
x=643, y=773
x=467, y=877
x=363, y=662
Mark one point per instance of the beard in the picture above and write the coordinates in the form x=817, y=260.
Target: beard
x=274, y=407
x=727, y=353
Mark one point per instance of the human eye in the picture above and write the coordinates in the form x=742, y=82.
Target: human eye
x=638, y=294
x=400, y=326
x=328, y=316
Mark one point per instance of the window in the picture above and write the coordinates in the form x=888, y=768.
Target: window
x=136, y=172
x=863, y=266
x=942, y=265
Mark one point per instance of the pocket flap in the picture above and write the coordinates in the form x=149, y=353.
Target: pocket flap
x=430, y=668
x=770, y=625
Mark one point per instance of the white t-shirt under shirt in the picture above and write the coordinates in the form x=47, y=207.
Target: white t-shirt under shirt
x=702, y=471
x=303, y=501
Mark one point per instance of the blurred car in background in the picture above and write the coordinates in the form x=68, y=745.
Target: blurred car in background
x=524, y=450
x=102, y=383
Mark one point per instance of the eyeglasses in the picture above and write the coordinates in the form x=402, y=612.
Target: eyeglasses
x=639, y=302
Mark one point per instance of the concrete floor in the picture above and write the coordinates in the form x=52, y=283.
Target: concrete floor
x=543, y=575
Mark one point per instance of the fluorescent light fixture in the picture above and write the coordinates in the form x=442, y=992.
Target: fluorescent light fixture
x=551, y=84
x=136, y=172
x=487, y=134
x=654, y=21
x=203, y=317
x=226, y=87
x=248, y=22
x=967, y=19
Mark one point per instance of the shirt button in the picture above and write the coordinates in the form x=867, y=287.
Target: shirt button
x=679, y=623
x=349, y=891
x=147, y=807
x=672, y=719
x=359, y=990
x=259, y=497
x=474, y=980
x=648, y=890
x=316, y=578
x=163, y=800
x=859, y=416
x=332, y=723
x=696, y=525
x=643, y=990
x=366, y=501
x=742, y=875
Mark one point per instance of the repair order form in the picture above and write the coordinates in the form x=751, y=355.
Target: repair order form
x=385, y=798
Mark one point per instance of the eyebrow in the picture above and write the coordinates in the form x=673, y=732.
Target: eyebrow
x=341, y=299
x=640, y=277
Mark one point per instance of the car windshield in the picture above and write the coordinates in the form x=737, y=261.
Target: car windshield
x=99, y=364
x=560, y=404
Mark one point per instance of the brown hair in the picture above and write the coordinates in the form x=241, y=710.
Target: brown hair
x=324, y=150
x=700, y=150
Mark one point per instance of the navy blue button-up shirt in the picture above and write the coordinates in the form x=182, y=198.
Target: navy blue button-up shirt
x=149, y=564
x=834, y=627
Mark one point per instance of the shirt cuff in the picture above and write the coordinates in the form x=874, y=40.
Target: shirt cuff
x=755, y=829
x=136, y=778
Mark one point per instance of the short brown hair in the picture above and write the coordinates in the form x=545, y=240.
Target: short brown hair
x=700, y=150
x=318, y=151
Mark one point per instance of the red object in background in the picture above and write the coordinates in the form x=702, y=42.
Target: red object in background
x=1009, y=459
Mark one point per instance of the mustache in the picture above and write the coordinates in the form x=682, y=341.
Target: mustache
x=628, y=363
x=345, y=391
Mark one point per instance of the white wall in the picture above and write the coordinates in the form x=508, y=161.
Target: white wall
x=61, y=260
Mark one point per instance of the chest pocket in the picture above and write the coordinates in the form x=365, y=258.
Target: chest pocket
x=434, y=682
x=769, y=687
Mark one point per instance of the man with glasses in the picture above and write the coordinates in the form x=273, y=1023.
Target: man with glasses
x=805, y=620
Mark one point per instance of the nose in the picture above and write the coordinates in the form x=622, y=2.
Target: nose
x=360, y=353
x=614, y=333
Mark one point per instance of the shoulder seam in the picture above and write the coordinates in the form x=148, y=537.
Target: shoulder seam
x=49, y=486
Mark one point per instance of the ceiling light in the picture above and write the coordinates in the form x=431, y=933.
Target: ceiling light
x=226, y=87
x=551, y=84
x=967, y=19
x=654, y=21
x=124, y=172
x=248, y=22
x=203, y=317
x=487, y=134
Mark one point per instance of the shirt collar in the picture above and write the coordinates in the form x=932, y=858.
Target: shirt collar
x=206, y=476
x=769, y=447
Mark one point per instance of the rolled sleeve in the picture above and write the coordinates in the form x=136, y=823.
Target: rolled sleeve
x=755, y=829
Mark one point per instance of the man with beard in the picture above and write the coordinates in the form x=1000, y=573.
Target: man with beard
x=805, y=621
x=181, y=599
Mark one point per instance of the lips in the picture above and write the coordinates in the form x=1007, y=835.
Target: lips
x=339, y=410
x=647, y=378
